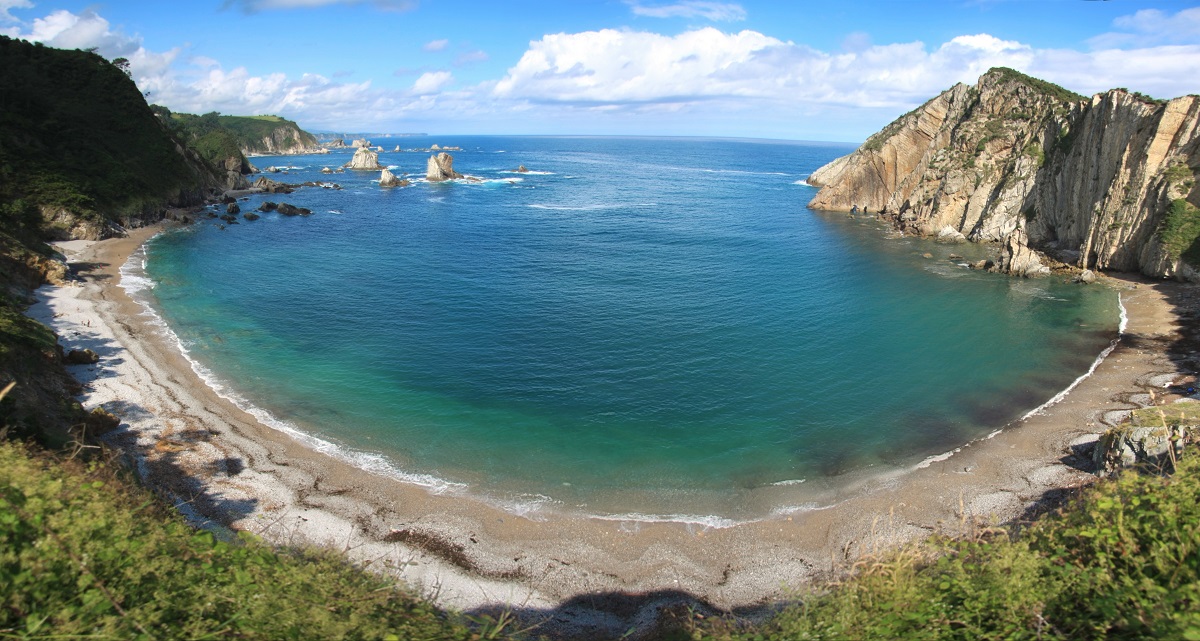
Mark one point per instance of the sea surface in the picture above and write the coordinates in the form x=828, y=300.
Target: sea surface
x=637, y=328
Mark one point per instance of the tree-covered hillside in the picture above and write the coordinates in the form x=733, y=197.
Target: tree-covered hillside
x=76, y=135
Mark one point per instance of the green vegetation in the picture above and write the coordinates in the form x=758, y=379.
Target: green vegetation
x=1179, y=173
x=1180, y=231
x=1172, y=414
x=86, y=554
x=1122, y=562
x=76, y=134
x=1005, y=74
x=1034, y=150
x=219, y=138
x=993, y=130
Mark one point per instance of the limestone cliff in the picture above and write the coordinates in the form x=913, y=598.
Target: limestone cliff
x=1106, y=182
x=271, y=136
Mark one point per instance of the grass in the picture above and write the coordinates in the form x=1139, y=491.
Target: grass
x=1005, y=74
x=84, y=553
x=1120, y=562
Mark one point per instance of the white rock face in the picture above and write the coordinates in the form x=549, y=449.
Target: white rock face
x=949, y=234
x=441, y=167
x=1089, y=180
x=364, y=159
x=388, y=179
x=1018, y=259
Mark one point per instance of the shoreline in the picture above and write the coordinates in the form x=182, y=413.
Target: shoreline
x=223, y=466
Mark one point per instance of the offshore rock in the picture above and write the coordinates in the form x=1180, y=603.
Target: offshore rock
x=441, y=167
x=1100, y=176
x=388, y=179
x=364, y=159
x=360, y=143
x=292, y=210
x=1018, y=259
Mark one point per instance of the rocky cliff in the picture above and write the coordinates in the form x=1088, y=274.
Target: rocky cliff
x=441, y=167
x=271, y=136
x=1105, y=183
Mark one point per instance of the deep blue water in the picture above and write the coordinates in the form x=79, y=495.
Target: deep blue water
x=651, y=326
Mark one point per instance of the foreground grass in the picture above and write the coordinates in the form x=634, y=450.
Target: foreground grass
x=1122, y=562
x=86, y=554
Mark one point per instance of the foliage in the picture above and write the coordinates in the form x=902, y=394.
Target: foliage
x=1005, y=74
x=219, y=138
x=86, y=554
x=1034, y=150
x=1180, y=231
x=1121, y=562
x=76, y=133
x=1178, y=173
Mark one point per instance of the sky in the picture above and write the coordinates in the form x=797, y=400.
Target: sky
x=792, y=70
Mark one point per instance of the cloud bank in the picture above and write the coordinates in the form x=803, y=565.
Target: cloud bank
x=630, y=81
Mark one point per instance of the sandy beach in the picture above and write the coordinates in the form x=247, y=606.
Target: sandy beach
x=223, y=467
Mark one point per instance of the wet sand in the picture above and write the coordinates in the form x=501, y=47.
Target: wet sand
x=577, y=574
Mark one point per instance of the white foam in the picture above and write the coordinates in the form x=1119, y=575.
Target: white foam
x=528, y=173
x=1057, y=398
x=596, y=207
x=133, y=279
x=706, y=521
x=789, y=482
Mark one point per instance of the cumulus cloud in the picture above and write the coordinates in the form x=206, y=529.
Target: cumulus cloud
x=432, y=82
x=623, y=67
x=8, y=5
x=436, y=45
x=691, y=9
x=1152, y=26
x=253, y=6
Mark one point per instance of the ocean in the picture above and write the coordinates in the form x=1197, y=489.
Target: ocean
x=635, y=328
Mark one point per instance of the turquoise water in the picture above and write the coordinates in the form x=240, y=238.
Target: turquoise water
x=639, y=326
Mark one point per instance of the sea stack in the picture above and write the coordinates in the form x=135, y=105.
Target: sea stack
x=364, y=159
x=441, y=167
x=388, y=179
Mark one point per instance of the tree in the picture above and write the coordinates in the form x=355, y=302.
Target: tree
x=123, y=65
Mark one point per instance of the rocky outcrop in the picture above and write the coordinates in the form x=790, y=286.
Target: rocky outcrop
x=1103, y=183
x=272, y=136
x=1129, y=446
x=388, y=179
x=359, y=143
x=1018, y=259
x=364, y=159
x=441, y=167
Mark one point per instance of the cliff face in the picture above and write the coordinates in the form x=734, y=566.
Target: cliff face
x=271, y=135
x=1104, y=183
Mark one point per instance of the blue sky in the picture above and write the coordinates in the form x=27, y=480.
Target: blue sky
x=790, y=70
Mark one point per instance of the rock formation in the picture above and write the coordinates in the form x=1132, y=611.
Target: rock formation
x=397, y=148
x=522, y=170
x=360, y=143
x=364, y=158
x=1105, y=183
x=388, y=179
x=441, y=167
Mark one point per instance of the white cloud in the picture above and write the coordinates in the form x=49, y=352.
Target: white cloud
x=432, y=82
x=1152, y=26
x=252, y=6
x=714, y=11
x=436, y=45
x=8, y=5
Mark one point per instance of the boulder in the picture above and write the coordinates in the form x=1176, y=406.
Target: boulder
x=271, y=187
x=1086, y=276
x=388, y=179
x=364, y=159
x=522, y=170
x=326, y=170
x=1018, y=259
x=229, y=218
x=268, y=206
x=100, y=421
x=82, y=357
x=983, y=265
x=949, y=234
x=292, y=210
x=250, y=216
x=441, y=167
x=1128, y=446
x=232, y=208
